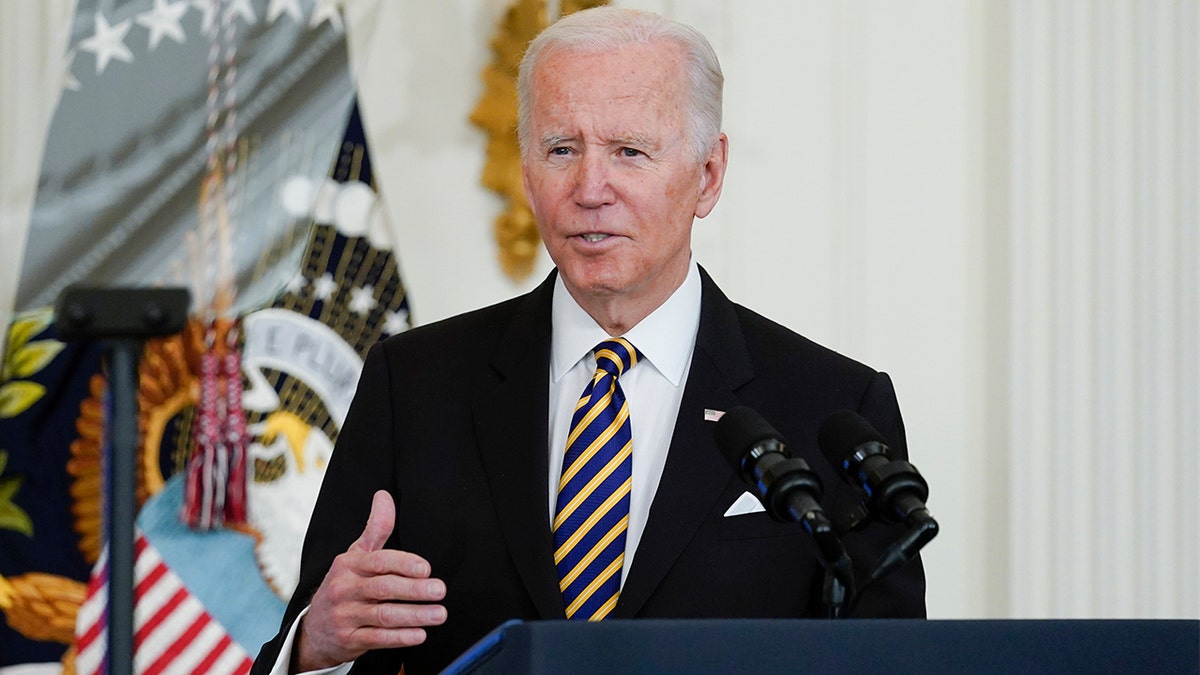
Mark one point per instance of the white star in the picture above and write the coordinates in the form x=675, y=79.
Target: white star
x=395, y=322
x=326, y=10
x=278, y=7
x=362, y=300
x=241, y=8
x=324, y=287
x=108, y=42
x=208, y=16
x=295, y=284
x=164, y=20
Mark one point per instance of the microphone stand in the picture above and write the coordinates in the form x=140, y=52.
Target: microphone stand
x=838, y=585
x=122, y=317
x=922, y=528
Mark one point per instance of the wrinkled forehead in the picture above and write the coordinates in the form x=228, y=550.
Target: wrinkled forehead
x=638, y=74
x=654, y=60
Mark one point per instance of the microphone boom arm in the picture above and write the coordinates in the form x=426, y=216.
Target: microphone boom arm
x=922, y=529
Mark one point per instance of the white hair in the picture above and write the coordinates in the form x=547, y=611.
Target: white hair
x=606, y=28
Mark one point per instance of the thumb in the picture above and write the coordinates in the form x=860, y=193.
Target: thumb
x=379, y=523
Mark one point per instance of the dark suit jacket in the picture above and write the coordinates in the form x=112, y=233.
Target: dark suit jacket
x=451, y=418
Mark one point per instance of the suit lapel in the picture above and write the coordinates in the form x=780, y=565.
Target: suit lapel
x=695, y=474
x=511, y=420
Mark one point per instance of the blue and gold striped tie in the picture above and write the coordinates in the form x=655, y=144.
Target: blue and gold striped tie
x=593, y=492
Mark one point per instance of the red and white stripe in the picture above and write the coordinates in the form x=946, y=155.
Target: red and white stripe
x=173, y=633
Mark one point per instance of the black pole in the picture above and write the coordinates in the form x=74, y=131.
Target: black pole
x=122, y=490
x=122, y=317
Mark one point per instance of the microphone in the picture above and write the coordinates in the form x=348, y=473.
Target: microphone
x=895, y=490
x=786, y=485
x=790, y=491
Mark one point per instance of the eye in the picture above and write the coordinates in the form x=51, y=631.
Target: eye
x=630, y=152
x=560, y=151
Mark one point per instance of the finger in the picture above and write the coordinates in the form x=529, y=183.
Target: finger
x=392, y=562
x=396, y=588
x=391, y=615
x=388, y=638
x=391, y=638
x=379, y=523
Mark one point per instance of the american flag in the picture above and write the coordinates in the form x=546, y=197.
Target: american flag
x=172, y=631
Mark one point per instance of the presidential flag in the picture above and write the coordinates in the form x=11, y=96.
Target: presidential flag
x=308, y=247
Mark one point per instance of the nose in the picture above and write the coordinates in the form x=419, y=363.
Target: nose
x=593, y=181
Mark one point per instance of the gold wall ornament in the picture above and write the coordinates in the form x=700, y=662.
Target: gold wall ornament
x=515, y=230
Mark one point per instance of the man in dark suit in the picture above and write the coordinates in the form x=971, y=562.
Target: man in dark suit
x=458, y=450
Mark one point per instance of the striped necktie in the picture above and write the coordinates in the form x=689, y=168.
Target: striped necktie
x=593, y=492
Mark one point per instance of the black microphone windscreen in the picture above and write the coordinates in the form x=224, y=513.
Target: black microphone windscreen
x=740, y=429
x=842, y=432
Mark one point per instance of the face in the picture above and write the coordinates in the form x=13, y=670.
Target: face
x=611, y=176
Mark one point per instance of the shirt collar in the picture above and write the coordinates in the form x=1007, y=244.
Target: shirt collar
x=665, y=338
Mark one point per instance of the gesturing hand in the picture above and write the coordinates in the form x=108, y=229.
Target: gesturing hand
x=367, y=599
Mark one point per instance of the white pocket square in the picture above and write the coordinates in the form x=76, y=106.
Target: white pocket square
x=747, y=503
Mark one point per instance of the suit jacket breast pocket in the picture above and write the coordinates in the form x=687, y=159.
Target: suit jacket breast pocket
x=757, y=525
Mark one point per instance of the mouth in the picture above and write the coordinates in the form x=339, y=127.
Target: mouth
x=593, y=237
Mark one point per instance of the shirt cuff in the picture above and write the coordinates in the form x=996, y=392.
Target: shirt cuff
x=284, y=661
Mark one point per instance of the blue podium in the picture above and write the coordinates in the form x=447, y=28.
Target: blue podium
x=893, y=646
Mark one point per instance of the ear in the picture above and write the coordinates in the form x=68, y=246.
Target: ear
x=712, y=176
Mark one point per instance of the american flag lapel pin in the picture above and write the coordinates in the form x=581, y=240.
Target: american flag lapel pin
x=711, y=415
